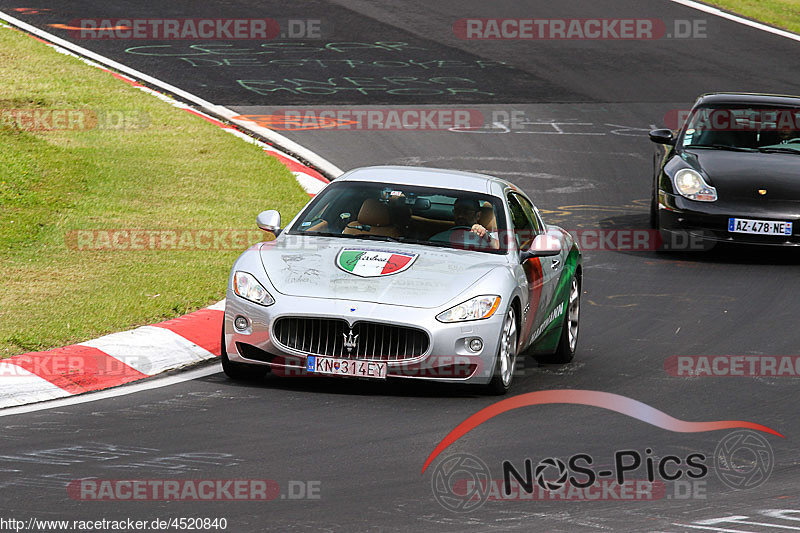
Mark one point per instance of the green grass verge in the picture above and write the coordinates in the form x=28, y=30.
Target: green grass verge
x=779, y=13
x=172, y=171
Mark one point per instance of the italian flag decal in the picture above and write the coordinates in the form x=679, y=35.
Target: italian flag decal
x=373, y=263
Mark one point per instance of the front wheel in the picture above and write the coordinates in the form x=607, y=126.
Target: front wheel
x=506, y=356
x=239, y=371
x=663, y=244
x=568, y=342
x=654, y=222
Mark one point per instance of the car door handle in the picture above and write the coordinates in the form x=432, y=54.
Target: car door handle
x=555, y=263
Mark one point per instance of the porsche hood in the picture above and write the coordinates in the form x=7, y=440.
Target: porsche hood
x=372, y=271
x=739, y=175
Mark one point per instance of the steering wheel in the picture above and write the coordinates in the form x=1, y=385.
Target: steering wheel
x=458, y=232
x=464, y=237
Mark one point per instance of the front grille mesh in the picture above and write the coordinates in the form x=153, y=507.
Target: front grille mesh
x=327, y=337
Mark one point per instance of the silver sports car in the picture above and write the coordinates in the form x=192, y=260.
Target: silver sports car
x=405, y=272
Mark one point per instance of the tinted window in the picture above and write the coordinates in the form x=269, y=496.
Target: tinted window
x=743, y=127
x=524, y=228
x=530, y=212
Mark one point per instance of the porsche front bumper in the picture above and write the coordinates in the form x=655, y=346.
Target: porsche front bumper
x=697, y=225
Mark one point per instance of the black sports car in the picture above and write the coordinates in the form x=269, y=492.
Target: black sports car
x=731, y=174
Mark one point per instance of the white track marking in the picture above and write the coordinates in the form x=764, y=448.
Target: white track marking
x=150, y=349
x=117, y=391
x=286, y=143
x=309, y=183
x=764, y=524
x=713, y=524
x=735, y=18
x=219, y=306
x=782, y=514
x=709, y=528
x=21, y=387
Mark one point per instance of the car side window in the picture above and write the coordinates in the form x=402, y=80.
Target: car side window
x=523, y=226
x=530, y=211
x=538, y=219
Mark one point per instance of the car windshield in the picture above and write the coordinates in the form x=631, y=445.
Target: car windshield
x=744, y=129
x=403, y=213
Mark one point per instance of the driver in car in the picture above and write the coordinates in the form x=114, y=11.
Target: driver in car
x=467, y=233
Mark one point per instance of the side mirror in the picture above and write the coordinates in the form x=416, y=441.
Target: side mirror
x=663, y=136
x=542, y=246
x=269, y=220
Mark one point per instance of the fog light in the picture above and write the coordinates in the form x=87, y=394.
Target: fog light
x=476, y=345
x=240, y=323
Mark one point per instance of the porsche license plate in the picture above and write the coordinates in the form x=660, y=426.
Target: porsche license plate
x=345, y=367
x=759, y=227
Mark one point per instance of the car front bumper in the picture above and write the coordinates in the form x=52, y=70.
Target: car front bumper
x=448, y=357
x=693, y=225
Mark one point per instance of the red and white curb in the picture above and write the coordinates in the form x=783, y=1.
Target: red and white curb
x=111, y=360
x=133, y=355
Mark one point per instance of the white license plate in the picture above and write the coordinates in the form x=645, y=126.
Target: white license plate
x=345, y=367
x=759, y=227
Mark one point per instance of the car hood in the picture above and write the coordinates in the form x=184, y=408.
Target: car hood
x=739, y=175
x=307, y=266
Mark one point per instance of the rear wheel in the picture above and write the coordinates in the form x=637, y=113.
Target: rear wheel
x=239, y=371
x=568, y=342
x=506, y=356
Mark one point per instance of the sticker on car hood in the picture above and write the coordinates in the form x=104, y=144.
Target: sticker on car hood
x=373, y=263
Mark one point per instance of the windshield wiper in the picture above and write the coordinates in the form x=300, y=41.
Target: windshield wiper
x=316, y=233
x=350, y=235
x=373, y=237
x=779, y=150
x=437, y=244
x=721, y=147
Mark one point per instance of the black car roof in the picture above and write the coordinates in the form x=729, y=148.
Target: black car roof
x=748, y=99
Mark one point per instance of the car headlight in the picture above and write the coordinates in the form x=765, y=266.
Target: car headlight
x=248, y=287
x=477, y=308
x=691, y=184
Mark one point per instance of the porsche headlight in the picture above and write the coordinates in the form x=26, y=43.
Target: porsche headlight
x=248, y=287
x=477, y=308
x=691, y=184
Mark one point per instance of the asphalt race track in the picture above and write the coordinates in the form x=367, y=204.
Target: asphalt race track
x=580, y=149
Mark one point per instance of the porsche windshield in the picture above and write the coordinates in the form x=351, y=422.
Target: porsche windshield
x=403, y=213
x=744, y=129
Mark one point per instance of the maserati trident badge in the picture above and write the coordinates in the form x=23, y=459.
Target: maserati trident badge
x=350, y=341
